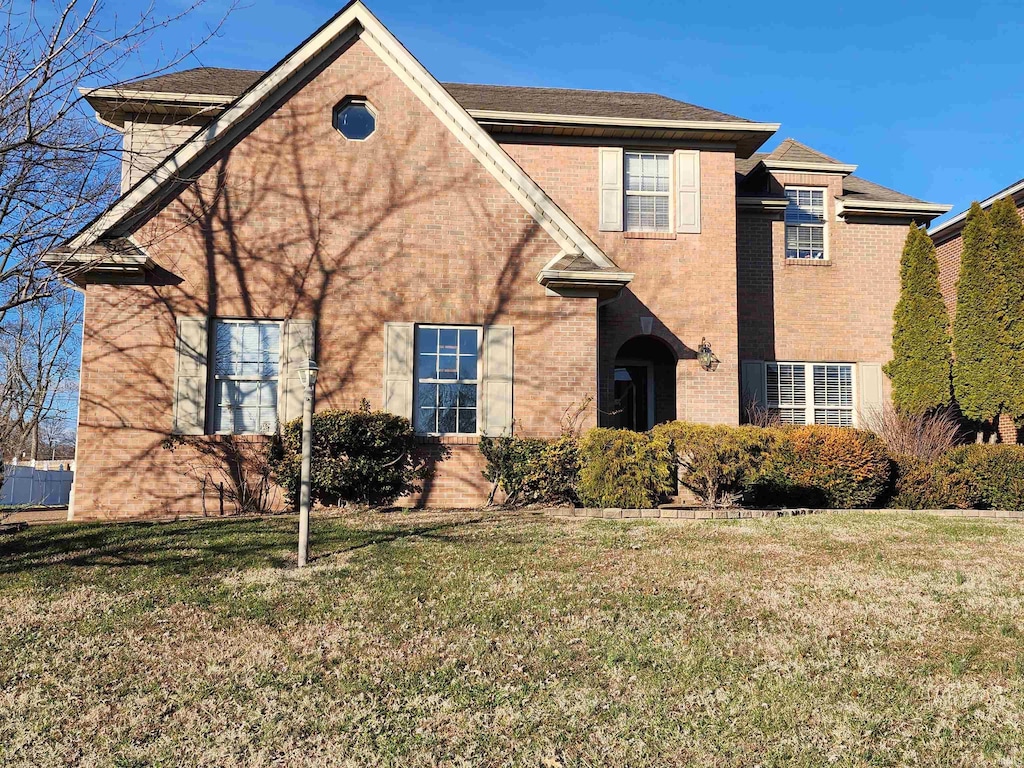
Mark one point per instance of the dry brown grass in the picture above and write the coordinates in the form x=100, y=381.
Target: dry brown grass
x=507, y=639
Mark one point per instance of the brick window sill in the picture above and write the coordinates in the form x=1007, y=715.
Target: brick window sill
x=808, y=262
x=649, y=235
x=448, y=439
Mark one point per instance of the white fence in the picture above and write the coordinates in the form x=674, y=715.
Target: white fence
x=25, y=485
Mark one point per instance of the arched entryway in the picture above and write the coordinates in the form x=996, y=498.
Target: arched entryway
x=645, y=384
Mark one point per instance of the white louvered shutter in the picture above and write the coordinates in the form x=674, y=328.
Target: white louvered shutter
x=869, y=385
x=190, y=375
x=399, y=341
x=297, y=347
x=610, y=161
x=688, y=190
x=496, y=385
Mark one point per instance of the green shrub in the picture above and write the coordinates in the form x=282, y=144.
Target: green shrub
x=362, y=457
x=823, y=466
x=966, y=477
x=716, y=462
x=621, y=468
x=531, y=471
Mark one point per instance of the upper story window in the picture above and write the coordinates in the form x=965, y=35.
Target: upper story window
x=811, y=393
x=355, y=119
x=247, y=362
x=447, y=378
x=647, y=191
x=805, y=223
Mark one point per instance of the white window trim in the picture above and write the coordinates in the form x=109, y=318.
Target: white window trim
x=626, y=193
x=416, y=380
x=213, y=403
x=809, y=406
x=824, y=223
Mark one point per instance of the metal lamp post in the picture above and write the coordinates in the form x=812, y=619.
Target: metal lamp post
x=309, y=373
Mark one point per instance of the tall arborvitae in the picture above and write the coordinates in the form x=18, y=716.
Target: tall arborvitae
x=1008, y=262
x=920, y=365
x=978, y=328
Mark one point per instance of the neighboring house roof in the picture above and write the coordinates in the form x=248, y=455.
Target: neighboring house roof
x=951, y=228
x=231, y=83
x=859, y=195
x=353, y=21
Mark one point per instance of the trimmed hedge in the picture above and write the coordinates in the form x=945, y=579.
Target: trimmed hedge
x=362, y=457
x=531, y=471
x=812, y=466
x=718, y=463
x=621, y=468
x=819, y=466
x=967, y=477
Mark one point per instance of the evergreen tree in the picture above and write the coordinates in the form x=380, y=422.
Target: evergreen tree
x=978, y=328
x=920, y=366
x=1008, y=263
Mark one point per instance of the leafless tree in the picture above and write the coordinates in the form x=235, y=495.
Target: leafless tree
x=58, y=165
x=38, y=371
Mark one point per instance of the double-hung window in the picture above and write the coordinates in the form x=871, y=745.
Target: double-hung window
x=647, y=191
x=447, y=379
x=247, y=361
x=811, y=393
x=805, y=223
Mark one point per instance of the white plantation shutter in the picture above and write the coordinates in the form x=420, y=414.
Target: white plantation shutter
x=296, y=349
x=869, y=386
x=688, y=190
x=496, y=384
x=610, y=162
x=399, y=343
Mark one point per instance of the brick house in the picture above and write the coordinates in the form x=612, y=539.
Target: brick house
x=948, y=239
x=473, y=257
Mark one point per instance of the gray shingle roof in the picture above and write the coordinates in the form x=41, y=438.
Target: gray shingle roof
x=505, y=98
x=854, y=187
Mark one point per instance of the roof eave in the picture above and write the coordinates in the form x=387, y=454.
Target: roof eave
x=844, y=169
x=951, y=227
x=846, y=208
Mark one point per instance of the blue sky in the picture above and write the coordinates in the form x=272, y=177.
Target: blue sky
x=925, y=97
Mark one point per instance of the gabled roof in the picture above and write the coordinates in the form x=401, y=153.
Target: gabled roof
x=353, y=21
x=859, y=195
x=952, y=227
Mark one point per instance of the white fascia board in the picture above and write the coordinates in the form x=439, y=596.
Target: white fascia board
x=170, y=97
x=626, y=122
x=769, y=203
x=880, y=206
x=794, y=165
x=1009, y=191
x=586, y=276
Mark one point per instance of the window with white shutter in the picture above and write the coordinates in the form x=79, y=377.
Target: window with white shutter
x=447, y=379
x=648, y=178
x=247, y=362
x=805, y=223
x=811, y=393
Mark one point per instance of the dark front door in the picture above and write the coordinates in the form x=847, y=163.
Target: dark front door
x=631, y=397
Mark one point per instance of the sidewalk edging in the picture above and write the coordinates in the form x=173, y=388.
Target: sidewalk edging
x=698, y=513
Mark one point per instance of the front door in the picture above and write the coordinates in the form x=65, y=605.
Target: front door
x=632, y=397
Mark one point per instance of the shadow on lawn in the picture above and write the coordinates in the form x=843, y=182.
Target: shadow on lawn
x=198, y=547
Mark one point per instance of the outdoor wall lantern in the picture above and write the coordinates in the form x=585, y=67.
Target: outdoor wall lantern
x=707, y=359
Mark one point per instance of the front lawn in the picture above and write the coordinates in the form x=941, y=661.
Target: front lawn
x=470, y=639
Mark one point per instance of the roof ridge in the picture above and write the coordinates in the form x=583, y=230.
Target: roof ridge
x=790, y=143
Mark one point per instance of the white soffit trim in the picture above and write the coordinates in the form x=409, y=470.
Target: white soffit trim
x=697, y=125
x=130, y=94
x=523, y=189
x=1013, y=189
x=881, y=206
x=795, y=165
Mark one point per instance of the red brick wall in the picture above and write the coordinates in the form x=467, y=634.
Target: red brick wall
x=686, y=282
x=295, y=221
x=836, y=310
